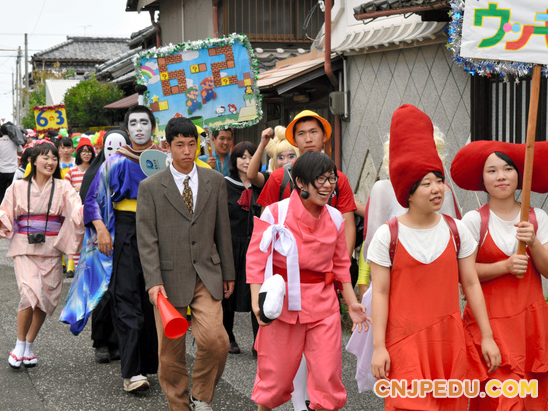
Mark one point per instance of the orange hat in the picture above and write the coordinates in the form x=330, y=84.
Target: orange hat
x=84, y=141
x=467, y=166
x=306, y=113
x=413, y=151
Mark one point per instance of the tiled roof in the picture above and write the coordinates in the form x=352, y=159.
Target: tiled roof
x=118, y=60
x=387, y=31
x=85, y=48
x=285, y=72
x=267, y=58
x=351, y=36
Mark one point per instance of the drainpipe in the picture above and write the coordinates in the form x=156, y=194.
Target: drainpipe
x=158, y=29
x=332, y=78
x=215, y=19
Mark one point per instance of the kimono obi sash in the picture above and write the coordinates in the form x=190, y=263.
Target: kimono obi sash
x=126, y=205
x=307, y=276
x=37, y=224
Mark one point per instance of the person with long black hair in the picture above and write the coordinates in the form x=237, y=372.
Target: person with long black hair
x=242, y=196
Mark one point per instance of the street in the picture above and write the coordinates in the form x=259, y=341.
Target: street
x=68, y=378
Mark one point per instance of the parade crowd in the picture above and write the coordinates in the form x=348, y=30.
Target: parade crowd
x=440, y=296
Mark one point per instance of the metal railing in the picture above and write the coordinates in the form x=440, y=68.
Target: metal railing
x=272, y=20
x=500, y=109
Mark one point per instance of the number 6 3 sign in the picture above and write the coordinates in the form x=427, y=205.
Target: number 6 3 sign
x=50, y=117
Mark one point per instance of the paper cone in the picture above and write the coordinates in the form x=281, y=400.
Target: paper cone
x=175, y=325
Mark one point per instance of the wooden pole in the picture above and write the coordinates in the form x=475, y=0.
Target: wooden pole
x=529, y=152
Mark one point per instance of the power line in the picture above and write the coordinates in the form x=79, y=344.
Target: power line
x=39, y=16
x=36, y=34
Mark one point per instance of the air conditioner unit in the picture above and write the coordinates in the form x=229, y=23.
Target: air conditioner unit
x=336, y=102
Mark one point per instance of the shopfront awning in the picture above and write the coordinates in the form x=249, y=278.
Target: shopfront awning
x=126, y=102
x=284, y=77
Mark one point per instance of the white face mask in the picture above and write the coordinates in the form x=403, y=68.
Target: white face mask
x=139, y=128
x=113, y=142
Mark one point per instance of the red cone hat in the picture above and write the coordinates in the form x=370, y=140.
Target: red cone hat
x=413, y=151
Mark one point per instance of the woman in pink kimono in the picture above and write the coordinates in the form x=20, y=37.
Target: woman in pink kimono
x=42, y=217
x=302, y=239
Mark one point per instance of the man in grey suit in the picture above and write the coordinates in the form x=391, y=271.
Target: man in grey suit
x=183, y=233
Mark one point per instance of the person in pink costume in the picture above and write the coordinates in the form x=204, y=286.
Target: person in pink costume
x=302, y=239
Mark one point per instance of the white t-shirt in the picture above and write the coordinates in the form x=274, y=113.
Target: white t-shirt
x=8, y=155
x=504, y=232
x=383, y=205
x=423, y=245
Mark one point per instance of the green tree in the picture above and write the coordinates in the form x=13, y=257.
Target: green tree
x=85, y=104
x=36, y=98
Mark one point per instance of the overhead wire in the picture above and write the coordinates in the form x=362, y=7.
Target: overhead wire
x=39, y=17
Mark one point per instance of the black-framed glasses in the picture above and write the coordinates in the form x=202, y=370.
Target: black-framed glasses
x=333, y=178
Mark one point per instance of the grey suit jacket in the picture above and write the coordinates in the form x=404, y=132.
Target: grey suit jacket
x=175, y=247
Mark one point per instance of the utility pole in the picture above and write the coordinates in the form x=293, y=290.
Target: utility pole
x=18, y=87
x=26, y=75
x=12, y=96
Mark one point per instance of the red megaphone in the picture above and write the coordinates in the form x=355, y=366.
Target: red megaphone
x=175, y=325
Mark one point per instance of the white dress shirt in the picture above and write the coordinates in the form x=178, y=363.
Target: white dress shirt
x=193, y=183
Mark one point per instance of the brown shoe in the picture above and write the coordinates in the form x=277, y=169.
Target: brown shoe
x=234, y=348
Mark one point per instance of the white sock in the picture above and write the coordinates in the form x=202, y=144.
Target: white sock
x=28, y=349
x=300, y=392
x=19, y=349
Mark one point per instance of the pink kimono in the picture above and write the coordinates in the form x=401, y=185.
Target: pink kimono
x=315, y=329
x=38, y=266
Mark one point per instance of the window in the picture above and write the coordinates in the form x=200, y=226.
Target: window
x=500, y=110
x=272, y=20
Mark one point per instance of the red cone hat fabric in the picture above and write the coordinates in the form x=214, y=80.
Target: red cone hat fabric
x=175, y=325
x=467, y=166
x=413, y=151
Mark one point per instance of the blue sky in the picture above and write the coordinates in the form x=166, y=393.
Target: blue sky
x=49, y=22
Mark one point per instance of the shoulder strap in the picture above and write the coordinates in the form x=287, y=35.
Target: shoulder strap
x=453, y=227
x=336, y=216
x=455, y=204
x=287, y=179
x=393, y=226
x=484, y=215
x=282, y=210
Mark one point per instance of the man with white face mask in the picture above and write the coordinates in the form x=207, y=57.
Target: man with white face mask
x=133, y=316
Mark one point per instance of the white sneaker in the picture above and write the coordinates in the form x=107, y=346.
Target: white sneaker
x=198, y=405
x=136, y=383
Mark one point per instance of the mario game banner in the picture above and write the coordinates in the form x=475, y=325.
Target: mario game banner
x=213, y=82
x=50, y=117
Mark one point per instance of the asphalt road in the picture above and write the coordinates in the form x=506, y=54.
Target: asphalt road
x=67, y=377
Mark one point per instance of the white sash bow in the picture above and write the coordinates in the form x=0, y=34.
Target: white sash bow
x=282, y=240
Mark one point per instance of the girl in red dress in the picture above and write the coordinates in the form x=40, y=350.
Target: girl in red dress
x=517, y=310
x=417, y=326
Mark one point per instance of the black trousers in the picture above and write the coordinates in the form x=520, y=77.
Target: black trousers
x=132, y=312
x=228, y=322
x=5, y=182
x=102, y=329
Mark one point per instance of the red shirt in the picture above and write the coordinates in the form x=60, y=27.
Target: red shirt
x=344, y=201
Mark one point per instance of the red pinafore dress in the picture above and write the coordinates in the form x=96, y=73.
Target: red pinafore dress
x=518, y=315
x=425, y=335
